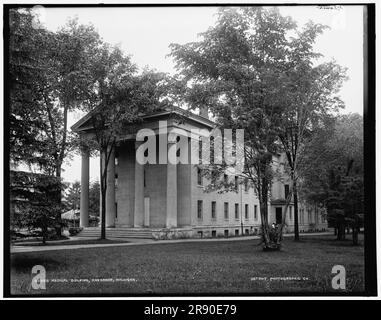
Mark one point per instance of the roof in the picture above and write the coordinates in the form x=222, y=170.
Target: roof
x=166, y=111
x=70, y=215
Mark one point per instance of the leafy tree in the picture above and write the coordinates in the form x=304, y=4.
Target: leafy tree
x=94, y=193
x=28, y=145
x=73, y=196
x=310, y=99
x=34, y=202
x=49, y=78
x=336, y=181
x=118, y=100
x=67, y=83
x=239, y=71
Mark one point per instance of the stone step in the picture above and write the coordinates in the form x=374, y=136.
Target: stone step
x=115, y=233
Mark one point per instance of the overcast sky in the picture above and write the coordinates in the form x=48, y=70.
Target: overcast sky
x=145, y=33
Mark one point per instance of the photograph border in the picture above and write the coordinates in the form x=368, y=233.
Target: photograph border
x=370, y=264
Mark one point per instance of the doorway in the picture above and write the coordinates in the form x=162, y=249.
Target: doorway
x=278, y=215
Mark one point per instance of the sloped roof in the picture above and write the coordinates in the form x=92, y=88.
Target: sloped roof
x=166, y=111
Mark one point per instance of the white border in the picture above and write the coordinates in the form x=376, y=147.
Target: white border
x=378, y=145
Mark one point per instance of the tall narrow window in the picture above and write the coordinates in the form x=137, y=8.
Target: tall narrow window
x=199, y=177
x=213, y=209
x=246, y=185
x=255, y=212
x=246, y=211
x=286, y=190
x=226, y=210
x=199, y=209
x=200, y=151
x=226, y=179
x=236, y=183
x=236, y=211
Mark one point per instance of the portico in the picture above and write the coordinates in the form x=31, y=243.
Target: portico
x=141, y=195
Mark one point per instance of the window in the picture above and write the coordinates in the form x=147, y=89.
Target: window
x=301, y=216
x=226, y=179
x=255, y=212
x=213, y=209
x=199, y=209
x=247, y=232
x=214, y=233
x=236, y=232
x=286, y=190
x=278, y=215
x=200, y=234
x=246, y=185
x=236, y=183
x=226, y=233
x=290, y=213
x=226, y=210
x=177, y=146
x=246, y=211
x=236, y=211
x=199, y=177
x=200, y=151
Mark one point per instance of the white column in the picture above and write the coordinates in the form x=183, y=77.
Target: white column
x=171, y=219
x=102, y=164
x=110, y=191
x=84, y=215
x=139, y=191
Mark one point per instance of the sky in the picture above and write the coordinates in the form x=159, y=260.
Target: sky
x=145, y=33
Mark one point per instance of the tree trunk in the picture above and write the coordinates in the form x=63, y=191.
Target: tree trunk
x=264, y=222
x=341, y=231
x=355, y=236
x=296, y=212
x=103, y=216
x=59, y=201
x=268, y=244
x=44, y=232
x=103, y=180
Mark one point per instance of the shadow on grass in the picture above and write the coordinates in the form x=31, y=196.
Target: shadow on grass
x=71, y=242
x=332, y=241
x=25, y=263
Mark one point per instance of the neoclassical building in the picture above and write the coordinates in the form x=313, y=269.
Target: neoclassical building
x=169, y=200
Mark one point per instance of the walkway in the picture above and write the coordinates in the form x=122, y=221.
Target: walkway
x=136, y=241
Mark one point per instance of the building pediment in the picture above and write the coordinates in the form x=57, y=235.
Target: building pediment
x=173, y=115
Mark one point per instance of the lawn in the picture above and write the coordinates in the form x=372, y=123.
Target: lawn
x=68, y=242
x=223, y=267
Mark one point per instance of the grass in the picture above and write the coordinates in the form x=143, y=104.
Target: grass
x=69, y=242
x=223, y=267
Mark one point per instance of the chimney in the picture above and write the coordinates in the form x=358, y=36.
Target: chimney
x=203, y=112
